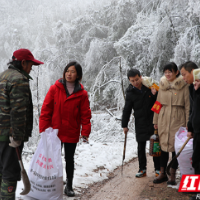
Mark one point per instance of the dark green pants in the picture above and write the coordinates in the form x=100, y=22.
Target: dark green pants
x=8, y=189
x=9, y=170
x=9, y=164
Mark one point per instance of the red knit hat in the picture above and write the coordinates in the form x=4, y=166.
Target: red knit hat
x=25, y=54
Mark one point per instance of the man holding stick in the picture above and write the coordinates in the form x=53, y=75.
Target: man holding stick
x=141, y=99
x=16, y=117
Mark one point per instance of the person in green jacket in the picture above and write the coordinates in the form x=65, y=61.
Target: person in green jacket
x=16, y=118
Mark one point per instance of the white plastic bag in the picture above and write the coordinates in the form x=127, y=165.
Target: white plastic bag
x=185, y=157
x=46, y=171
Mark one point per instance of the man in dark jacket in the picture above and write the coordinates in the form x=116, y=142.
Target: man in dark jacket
x=16, y=118
x=140, y=99
x=194, y=118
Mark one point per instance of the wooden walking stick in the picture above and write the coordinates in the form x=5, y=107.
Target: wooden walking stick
x=124, y=152
x=176, y=156
x=25, y=179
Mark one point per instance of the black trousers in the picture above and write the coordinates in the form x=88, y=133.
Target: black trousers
x=164, y=160
x=196, y=151
x=142, y=157
x=69, y=159
x=9, y=164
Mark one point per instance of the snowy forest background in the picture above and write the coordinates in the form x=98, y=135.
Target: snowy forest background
x=106, y=37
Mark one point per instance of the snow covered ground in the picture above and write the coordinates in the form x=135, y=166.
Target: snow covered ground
x=103, y=154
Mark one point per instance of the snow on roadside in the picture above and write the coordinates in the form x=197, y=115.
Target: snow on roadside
x=103, y=154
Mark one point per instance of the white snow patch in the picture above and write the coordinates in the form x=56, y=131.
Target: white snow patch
x=94, y=161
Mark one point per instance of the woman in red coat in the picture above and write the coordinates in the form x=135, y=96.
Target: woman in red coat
x=66, y=107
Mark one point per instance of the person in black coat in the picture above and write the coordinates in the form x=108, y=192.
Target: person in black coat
x=140, y=99
x=194, y=118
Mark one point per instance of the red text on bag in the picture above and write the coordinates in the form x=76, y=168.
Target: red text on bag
x=44, y=161
x=189, y=183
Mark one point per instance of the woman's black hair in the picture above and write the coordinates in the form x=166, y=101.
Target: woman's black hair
x=171, y=67
x=78, y=70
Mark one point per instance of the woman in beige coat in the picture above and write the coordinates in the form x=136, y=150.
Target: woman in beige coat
x=174, y=97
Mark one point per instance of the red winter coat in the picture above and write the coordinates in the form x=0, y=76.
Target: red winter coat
x=67, y=114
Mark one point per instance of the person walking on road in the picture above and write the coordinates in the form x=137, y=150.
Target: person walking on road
x=16, y=116
x=66, y=108
x=140, y=99
x=174, y=97
x=193, y=122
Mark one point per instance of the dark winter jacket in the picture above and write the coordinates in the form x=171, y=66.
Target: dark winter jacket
x=16, y=108
x=194, y=118
x=194, y=125
x=66, y=113
x=141, y=102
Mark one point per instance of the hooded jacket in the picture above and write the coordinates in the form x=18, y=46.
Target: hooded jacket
x=70, y=114
x=141, y=102
x=174, y=97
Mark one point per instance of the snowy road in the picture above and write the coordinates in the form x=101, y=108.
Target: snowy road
x=120, y=187
x=95, y=161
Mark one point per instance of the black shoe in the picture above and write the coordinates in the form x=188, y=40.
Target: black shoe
x=69, y=192
x=171, y=183
x=195, y=197
x=68, y=189
x=164, y=179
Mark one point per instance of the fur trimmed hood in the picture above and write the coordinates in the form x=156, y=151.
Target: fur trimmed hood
x=177, y=84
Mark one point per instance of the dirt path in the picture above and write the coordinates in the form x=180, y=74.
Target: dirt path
x=128, y=187
x=122, y=187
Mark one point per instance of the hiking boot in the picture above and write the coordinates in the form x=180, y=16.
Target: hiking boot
x=162, y=176
x=141, y=173
x=68, y=188
x=157, y=173
x=172, y=180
